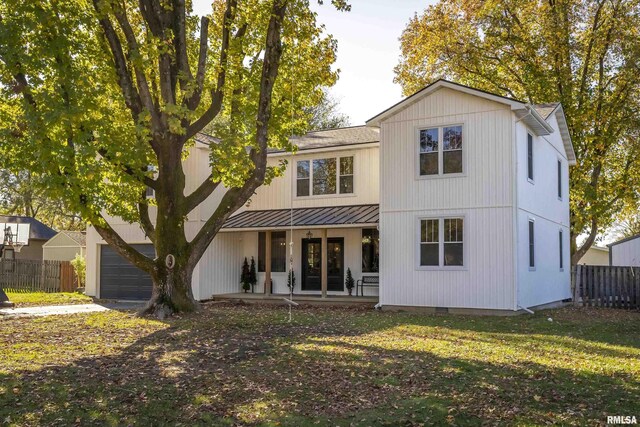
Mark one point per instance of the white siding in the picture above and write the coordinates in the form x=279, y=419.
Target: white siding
x=595, y=256
x=280, y=194
x=539, y=201
x=483, y=196
x=626, y=253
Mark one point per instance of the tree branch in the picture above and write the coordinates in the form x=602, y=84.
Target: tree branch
x=194, y=100
x=143, y=179
x=145, y=219
x=204, y=190
x=123, y=248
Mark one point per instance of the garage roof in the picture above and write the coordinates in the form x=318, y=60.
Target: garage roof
x=303, y=217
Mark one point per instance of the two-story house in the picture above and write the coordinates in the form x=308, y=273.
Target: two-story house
x=455, y=197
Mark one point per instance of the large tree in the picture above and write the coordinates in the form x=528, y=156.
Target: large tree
x=102, y=99
x=585, y=54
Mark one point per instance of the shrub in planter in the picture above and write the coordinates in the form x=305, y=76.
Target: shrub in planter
x=253, y=276
x=244, y=276
x=349, y=282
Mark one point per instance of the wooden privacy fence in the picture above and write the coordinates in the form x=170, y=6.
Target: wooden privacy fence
x=604, y=286
x=23, y=275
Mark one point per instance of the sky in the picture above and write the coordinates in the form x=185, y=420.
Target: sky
x=368, y=49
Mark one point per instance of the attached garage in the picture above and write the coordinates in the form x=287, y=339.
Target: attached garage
x=119, y=279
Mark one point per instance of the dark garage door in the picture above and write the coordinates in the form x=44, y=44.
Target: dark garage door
x=121, y=280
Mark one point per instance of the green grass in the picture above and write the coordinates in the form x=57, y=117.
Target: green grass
x=247, y=365
x=30, y=299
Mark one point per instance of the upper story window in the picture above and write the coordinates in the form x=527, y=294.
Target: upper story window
x=560, y=179
x=530, y=157
x=440, y=158
x=324, y=176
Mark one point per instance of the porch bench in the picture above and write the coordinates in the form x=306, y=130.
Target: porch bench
x=369, y=281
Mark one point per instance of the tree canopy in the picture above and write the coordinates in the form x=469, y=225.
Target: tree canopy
x=102, y=99
x=585, y=54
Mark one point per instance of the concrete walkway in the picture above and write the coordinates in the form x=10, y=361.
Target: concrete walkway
x=51, y=310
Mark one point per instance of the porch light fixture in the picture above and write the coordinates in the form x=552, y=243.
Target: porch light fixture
x=309, y=234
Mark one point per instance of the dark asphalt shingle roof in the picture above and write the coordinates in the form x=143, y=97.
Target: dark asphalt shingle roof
x=37, y=230
x=334, y=215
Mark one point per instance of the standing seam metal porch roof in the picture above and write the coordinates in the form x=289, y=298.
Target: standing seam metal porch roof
x=302, y=217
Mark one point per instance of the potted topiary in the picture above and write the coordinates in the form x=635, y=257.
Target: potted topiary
x=253, y=276
x=244, y=276
x=349, y=282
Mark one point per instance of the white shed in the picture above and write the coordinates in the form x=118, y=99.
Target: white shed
x=625, y=252
x=64, y=246
x=595, y=255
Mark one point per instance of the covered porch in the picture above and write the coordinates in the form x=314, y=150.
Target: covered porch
x=318, y=244
x=305, y=299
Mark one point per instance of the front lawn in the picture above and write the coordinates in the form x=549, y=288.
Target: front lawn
x=30, y=299
x=247, y=365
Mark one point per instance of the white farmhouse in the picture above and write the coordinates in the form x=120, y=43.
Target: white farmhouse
x=455, y=198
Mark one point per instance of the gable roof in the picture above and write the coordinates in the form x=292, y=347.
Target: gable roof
x=78, y=237
x=326, y=138
x=534, y=116
x=37, y=230
x=637, y=236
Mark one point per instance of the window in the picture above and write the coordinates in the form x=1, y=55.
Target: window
x=452, y=149
x=262, y=251
x=530, y=157
x=560, y=249
x=434, y=161
x=532, y=259
x=429, y=151
x=346, y=175
x=324, y=176
x=441, y=242
x=278, y=251
x=559, y=179
x=303, y=179
x=453, y=229
x=370, y=250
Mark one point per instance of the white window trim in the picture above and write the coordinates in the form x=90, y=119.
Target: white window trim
x=441, y=266
x=324, y=196
x=441, y=173
x=561, y=254
x=561, y=177
x=533, y=159
x=535, y=256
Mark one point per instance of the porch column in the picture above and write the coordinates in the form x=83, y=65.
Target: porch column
x=323, y=264
x=267, y=264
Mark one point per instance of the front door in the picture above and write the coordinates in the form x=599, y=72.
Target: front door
x=335, y=264
x=311, y=264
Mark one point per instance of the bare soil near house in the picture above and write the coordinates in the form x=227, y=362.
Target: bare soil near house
x=247, y=365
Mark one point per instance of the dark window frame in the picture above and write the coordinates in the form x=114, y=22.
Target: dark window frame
x=530, y=174
x=278, y=251
x=262, y=251
x=561, y=249
x=532, y=244
x=559, y=179
x=371, y=250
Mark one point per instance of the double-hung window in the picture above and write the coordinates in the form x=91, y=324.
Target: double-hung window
x=440, y=150
x=441, y=242
x=327, y=176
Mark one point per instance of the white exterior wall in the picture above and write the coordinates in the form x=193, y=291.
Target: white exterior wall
x=483, y=196
x=538, y=200
x=281, y=193
x=595, y=256
x=626, y=253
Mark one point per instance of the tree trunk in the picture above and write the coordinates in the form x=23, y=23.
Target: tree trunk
x=172, y=291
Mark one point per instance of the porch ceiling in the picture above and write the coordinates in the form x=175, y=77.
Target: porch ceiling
x=305, y=217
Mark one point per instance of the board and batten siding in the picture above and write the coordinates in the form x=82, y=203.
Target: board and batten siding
x=483, y=196
x=538, y=201
x=626, y=254
x=280, y=194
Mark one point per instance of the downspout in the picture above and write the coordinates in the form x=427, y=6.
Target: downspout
x=527, y=310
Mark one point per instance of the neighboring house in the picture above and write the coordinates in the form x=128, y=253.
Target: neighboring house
x=64, y=246
x=456, y=198
x=29, y=234
x=625, y=252
x=595, y=255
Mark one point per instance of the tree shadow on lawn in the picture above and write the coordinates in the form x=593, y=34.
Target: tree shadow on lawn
x=210, y=370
